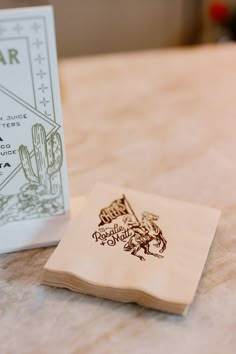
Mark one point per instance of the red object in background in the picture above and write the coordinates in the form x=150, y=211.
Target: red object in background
x=219, y=12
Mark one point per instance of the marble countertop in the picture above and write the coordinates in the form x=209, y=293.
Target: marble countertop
x=158, y=121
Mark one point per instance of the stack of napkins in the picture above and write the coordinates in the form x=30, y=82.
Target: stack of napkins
x=134, y=247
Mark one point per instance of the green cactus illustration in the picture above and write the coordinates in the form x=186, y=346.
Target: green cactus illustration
x=41, y=196
x=48, y=158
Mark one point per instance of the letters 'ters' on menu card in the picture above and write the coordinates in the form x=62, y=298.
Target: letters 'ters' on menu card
x=125, y=239
x=33, y=177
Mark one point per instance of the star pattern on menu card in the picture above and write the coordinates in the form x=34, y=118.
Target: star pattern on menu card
x=43, y=88
x=41, y=73
x=36, y=37
x=39, y=59
x=44, y=102
x=38, y=43
x=47, y=114
x=18, y=28
x=102, y=243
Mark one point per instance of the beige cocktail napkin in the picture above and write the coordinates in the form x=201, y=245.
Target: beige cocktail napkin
x=135, y=247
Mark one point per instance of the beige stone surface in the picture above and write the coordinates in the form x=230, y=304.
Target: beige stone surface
x=162, y=122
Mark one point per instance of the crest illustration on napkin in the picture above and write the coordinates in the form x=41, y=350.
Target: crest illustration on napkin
x=119, y=223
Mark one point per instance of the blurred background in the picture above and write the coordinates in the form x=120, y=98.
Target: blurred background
x=87, y=27
x=105, y=26
x=102, y=26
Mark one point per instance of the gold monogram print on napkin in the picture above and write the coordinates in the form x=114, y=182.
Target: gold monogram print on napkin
x=136, y=234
